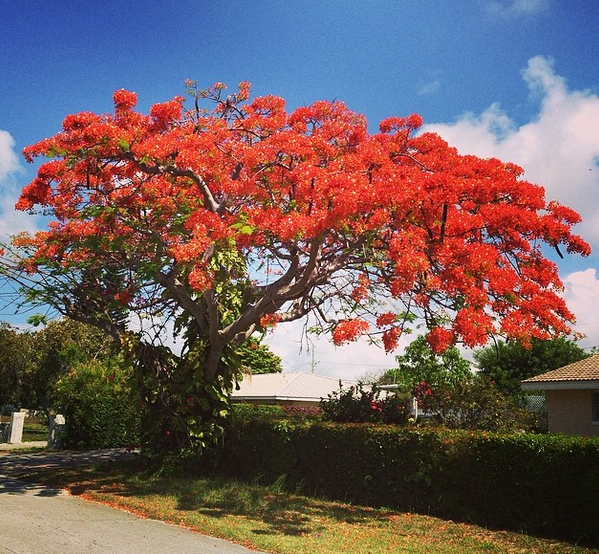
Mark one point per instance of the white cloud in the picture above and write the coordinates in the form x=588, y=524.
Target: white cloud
x=9, y=162
x=358, y=360
x=558, y=148
x=11, y=221
x=428, y=88
x=582, y=292
x=351, y=361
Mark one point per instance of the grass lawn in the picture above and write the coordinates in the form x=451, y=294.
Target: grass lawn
x=264, y=518
x=33, y=429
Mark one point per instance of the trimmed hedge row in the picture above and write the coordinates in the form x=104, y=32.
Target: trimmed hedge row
x=545, y=484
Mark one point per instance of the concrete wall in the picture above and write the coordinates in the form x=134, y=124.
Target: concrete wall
x=571, y=412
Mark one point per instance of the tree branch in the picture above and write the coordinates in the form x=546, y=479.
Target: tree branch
x=209, y=199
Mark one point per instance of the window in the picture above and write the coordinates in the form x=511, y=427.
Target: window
x=596, y=407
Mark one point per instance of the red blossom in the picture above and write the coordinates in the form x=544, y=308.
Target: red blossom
x=348, y=330
x=167, y=112
x=390, y=339
x=124, y=99
x=360, y=292
x=387, y=318
x=440, y=339
x=269, y=320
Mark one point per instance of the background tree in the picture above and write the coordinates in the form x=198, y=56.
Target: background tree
x=58, y=347
x=17, y=361
x=233, y=216
x=256, y=357
x=474, y=403
x=31, y=362
x=420, y=364
x=100, y=405
x=450, y=393
x=508, y=363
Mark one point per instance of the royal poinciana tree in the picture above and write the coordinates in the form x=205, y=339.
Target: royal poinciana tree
x=228, y=216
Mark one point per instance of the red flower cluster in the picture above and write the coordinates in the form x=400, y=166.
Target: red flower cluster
x=421, y=391
x=440, y=339
x=349, y=330
x=269, y=321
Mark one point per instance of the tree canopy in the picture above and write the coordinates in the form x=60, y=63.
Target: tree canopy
x=31, y=362
x=256, y=357
x=508, y=363
x=231, y=215
x=17, y=359
x=419, y=364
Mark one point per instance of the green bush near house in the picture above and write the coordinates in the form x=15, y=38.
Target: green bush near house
x=546, y=484
x=100, y=409
x=251, y=412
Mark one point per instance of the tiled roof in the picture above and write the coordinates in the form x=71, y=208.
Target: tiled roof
x=584, y=370
x=299, y=386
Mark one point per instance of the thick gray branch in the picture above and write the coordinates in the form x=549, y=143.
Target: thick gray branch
x=209, y=200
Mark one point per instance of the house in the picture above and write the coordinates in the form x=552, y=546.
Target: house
x=291, y=389
x=572, y=394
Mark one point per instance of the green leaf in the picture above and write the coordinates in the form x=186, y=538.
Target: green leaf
x=37, y=320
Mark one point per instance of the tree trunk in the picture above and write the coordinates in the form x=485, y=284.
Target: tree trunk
x=185, y=400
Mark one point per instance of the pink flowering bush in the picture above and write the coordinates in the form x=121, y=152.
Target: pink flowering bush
x=359, y=404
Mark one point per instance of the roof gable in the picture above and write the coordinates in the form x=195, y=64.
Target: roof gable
x=578, y=375
x=299, y=386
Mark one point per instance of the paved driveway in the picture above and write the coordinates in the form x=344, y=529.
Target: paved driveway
x=40, y=520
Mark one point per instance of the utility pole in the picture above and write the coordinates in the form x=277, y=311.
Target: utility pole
x=314, y=362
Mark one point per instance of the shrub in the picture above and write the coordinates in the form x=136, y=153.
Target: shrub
x=241, y=412
x=100, y=407
x=303, y=412
x=535, y=483
x=361, y=405
x=7, y=409
x=532, y=483
x=473, y=404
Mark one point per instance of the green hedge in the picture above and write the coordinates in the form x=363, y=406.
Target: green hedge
x=532, y=483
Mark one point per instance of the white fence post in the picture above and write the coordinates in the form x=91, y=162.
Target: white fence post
x=15, y=431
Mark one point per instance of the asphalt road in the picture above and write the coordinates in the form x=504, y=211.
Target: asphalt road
x=40, y=520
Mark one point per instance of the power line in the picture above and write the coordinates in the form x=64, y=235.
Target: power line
x=355, y=365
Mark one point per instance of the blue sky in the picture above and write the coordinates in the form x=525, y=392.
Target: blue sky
x=517, y=79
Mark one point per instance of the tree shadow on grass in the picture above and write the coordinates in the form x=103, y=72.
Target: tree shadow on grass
x=277, y=512
x=274, y=512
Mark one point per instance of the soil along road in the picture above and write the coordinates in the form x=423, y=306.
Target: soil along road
x=40, y=520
